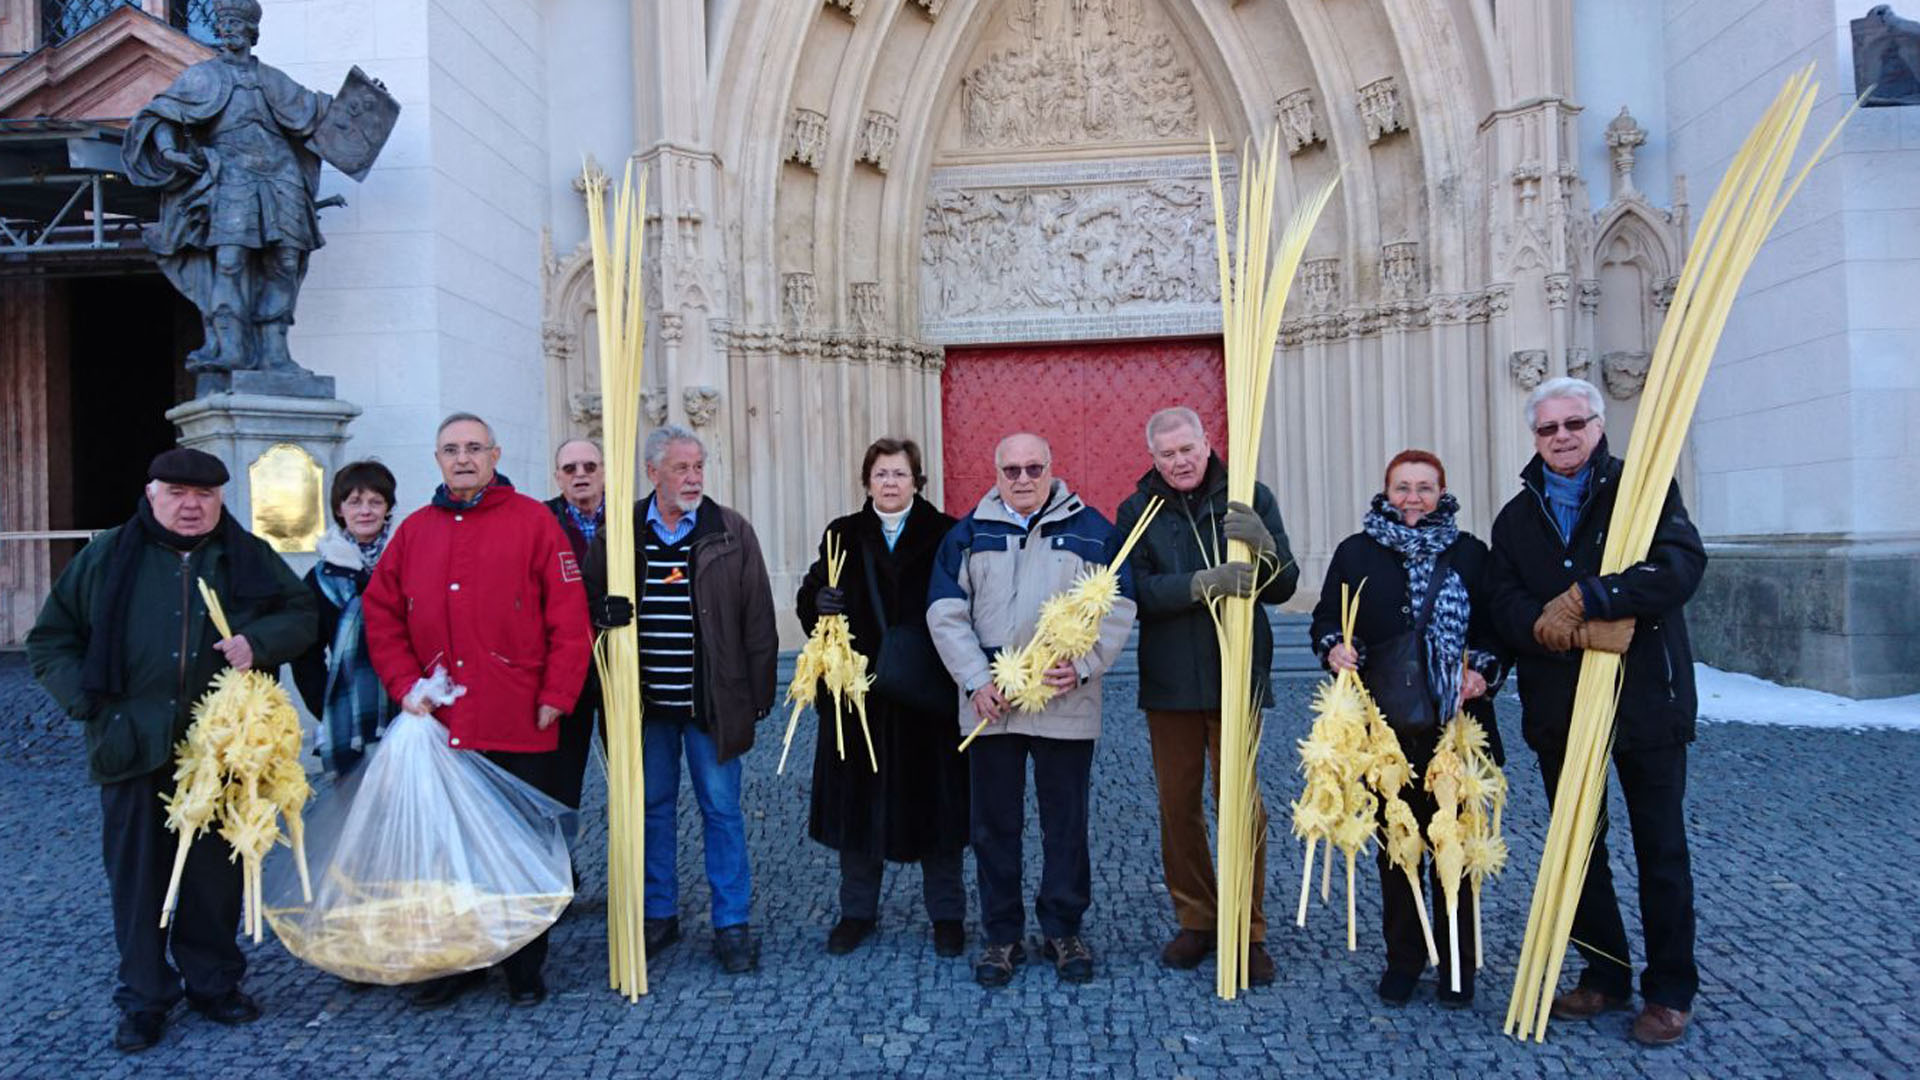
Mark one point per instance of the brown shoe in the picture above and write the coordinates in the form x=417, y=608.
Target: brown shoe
x=1658, y=1025
x=1259, y=965
x=1187, y=949
x=1585, y=1003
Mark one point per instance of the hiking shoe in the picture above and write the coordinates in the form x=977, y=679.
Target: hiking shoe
x=1072, y=960
x=996, y=963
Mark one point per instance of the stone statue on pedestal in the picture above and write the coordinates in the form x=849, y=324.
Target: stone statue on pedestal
x=236, y=145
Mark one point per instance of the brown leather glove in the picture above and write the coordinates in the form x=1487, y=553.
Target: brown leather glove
x=1604, y=635
x=1557, y=622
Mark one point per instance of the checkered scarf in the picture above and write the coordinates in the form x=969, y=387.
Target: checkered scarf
x=1418, y=546
x=356, y=706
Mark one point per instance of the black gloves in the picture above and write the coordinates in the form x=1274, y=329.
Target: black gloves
x=612, y=611
x=1244, y=525
x=830, y=601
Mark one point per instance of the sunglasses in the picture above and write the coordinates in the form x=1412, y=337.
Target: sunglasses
x=1012, y=472
x=585, y=468
x=1574, y=426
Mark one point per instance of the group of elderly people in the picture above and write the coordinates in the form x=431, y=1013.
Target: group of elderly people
x=928, y=596
x=931, y=601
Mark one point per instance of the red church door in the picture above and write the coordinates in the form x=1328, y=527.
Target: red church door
x=1090, y=401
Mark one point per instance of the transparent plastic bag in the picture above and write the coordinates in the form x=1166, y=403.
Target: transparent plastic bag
x=427, y=861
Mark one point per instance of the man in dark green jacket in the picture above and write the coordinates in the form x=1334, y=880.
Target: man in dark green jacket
x=125, y=646
x=1177, y=566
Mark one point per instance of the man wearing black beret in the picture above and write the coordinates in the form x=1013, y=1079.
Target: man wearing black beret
x=125, y=646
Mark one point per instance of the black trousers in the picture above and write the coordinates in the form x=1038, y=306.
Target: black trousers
x=861, y=873
x=138, y=851
x=1655, y=785
x=1400, y=922
x=1062, y=771
x=546, y=773
x=576, y=745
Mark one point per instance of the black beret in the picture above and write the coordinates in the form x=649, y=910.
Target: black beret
x=194, y=468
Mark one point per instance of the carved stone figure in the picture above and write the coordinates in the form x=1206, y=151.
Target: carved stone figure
x=877, y=137
x=235, y=147
x=1297, y=121
x=654, y=401
x=1528, y=366
x=1579, y=361
x=1886, y=56
x=1380, y=107
x=1400, y=268
x=866, y=306
x=702, y=403
x=807, y=137
x=1624, y=372
x=1320, y=279
x=797, y=298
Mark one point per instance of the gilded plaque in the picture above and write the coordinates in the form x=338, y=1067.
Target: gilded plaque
x=289, y=506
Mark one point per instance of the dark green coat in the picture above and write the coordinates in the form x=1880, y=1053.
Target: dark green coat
x=1179, y=653
x=170, y=654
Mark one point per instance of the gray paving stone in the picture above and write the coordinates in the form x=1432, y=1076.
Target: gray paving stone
x=1803, y=840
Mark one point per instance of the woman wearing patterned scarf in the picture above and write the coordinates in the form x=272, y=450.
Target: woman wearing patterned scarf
x=1408, y=535
x=336, y=677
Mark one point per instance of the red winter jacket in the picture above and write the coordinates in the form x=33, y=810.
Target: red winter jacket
x=494, y=594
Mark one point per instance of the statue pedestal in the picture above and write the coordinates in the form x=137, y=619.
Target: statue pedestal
x=241, y=429
x=298, y=384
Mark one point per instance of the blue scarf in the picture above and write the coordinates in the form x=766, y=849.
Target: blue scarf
x=1418, y=546
x=356, y=707
x=1565, y=496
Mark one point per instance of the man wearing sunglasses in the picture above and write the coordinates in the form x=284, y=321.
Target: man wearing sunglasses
x=1551, y=603
x=1028, y=539
x=579, y=471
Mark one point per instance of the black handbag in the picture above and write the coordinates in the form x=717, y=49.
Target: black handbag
x=907, y=672
x=1396, y=669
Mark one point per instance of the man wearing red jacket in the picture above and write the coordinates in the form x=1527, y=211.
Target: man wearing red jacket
x=483, y=583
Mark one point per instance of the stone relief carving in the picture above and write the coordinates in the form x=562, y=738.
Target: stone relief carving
x=1073, y=249
x=1298, y=121
x=797, y=299
x=673, y=327
x=1320, y=280
x=1663, y=292
x=702, y=403
x=850, y=8
x=584, y=408
x=1400, y=268
x=877, y=136
x=1557, y=285
x=1079, y=72
x=1579, y=361
x=807, y=137
x=930, y=7
x=1528, y=366
x=654, y=401
x=1624, y=372
x=1589, y=296
x=866, y=305
x=1380, y=107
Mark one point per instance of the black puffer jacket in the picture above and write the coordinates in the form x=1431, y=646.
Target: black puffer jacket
x=1531, y=566
x=1179, y=654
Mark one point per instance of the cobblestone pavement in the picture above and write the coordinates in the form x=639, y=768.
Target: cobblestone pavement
x=1804, y=847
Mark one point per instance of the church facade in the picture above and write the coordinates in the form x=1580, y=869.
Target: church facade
x=951, y=219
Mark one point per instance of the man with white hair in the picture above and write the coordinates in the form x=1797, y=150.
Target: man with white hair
x=1550, y=602
x=125, y=646
x=1179, y=566
x=1029, y=538
x=707, y=652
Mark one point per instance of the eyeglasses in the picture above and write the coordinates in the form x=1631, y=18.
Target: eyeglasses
x=584, y=468
x=1574, y=426
x=1012, y=472
x=472, y=449
x=892, y=474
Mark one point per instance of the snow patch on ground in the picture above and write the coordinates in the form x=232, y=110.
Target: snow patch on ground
x=1735, y=698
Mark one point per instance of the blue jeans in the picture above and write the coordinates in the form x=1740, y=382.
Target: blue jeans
x=716, y=788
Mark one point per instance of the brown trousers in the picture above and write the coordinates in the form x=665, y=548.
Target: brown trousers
x=1184, y=743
